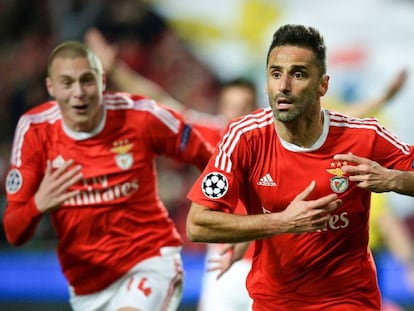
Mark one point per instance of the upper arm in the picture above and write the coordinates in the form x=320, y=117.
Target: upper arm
x=26, y=165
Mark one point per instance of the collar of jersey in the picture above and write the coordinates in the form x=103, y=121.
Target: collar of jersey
x=318, y=143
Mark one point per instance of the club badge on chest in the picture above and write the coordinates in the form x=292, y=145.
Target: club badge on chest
x=339, y=183
x=123, y=158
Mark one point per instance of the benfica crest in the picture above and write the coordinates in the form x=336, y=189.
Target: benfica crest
x=123, y=158
x=339, y=183
x=124, y=161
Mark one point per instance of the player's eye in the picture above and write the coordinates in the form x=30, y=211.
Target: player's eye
x=89, y=79
x=66, y=83
x=276, y=74
x=298, y=75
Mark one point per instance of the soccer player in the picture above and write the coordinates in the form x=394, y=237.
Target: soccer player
x=87, y=159
x=305, y=175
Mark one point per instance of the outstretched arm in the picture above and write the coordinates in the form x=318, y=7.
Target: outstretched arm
x=369, y=108
x=125, y=78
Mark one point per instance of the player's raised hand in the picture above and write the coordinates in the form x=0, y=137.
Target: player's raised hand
x=106, y=52
x=54, y=188
x=366, y=173
x=396, y=84
x=308, y=216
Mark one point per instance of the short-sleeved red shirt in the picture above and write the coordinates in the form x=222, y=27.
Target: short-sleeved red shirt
x=117, y=220
x=312, y=271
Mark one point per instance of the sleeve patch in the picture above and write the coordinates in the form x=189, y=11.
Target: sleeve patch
x=14, y=181
x=214, y=185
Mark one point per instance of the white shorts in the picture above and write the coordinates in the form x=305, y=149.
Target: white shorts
x=154, y=284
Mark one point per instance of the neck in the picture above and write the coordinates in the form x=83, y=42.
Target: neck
x=304, y=132
x=88, y=124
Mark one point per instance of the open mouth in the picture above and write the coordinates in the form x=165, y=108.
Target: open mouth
x=80, y=108
x=283, y=104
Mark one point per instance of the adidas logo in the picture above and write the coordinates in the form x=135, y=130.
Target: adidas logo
x=58, y=162
x=266, y=180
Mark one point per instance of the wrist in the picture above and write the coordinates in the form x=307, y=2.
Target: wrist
x=402, y=182
x=38, y=204
x=280, y=224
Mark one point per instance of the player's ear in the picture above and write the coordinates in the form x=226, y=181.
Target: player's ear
x=323, y=85
x=49, y=87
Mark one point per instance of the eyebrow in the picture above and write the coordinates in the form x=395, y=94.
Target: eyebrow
x=292, y=68
x=65, y=76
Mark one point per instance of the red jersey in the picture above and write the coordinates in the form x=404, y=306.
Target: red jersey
x=328, y=270
x=117, y=220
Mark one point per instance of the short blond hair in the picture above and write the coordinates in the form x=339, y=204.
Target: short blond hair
x=74, y=49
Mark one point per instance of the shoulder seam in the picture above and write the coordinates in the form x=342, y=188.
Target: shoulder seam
x=236, y=130
x=49, y=115
x=373, y=124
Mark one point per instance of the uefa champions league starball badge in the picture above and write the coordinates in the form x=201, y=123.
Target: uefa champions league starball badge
x=214, y=185
x=14, y=181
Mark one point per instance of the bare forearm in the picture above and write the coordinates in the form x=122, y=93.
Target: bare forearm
x=212, y=226
x=370, y=107
x=363, y=109
x=205, y=225
x=402, y=182
x=128, y=80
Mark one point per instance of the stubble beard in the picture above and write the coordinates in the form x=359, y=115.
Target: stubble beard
x=288, y=115
x=293, y=114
